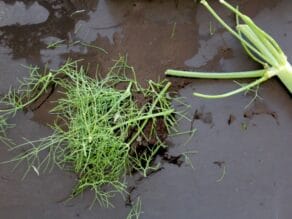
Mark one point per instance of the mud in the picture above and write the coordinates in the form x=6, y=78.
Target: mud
x=157, y=35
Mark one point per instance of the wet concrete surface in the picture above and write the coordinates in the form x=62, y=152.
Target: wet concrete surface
x=242, y=168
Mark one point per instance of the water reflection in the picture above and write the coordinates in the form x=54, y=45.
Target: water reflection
x=25, y=40
x=25, y=26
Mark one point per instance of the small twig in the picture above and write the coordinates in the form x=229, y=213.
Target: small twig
x=78, y=12
x=93, y=46
x=136, y=210
x=254, y=90
x=211, y=28
x=221, y=164
x=77, y=29
x=187, y=158
x=56, y=44
x=173, y=30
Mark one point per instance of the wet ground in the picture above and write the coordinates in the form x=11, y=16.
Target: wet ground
x=242, y=168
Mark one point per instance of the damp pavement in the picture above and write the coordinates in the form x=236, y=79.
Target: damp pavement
x=241, y=168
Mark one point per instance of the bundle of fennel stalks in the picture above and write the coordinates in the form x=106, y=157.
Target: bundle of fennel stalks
x=260, y=46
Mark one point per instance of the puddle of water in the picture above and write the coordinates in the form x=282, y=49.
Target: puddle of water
x=10, y=70
x=21, y=14
x=27, y=39
x=105, y=21
x=54, y=57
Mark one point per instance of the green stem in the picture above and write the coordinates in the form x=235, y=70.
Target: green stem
x=234, y=33
x=145, y=122
x=215, y=75
x=285, y=75
x=228, y=94
x=260, y=43
x=45, y=86
x=146, y=117
x=269, y=42
x=250, y=23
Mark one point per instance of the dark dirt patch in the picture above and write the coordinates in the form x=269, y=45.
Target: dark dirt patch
x=129, y=201
x=205, y=117
x=231, y=119
x=173, y=159
x=219, y=163
x=261, y=109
